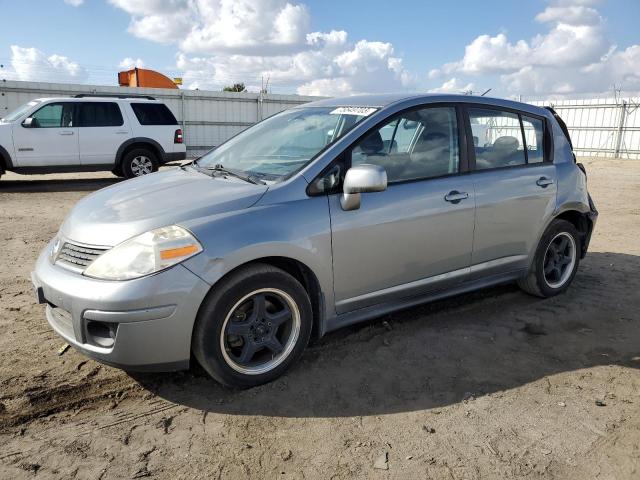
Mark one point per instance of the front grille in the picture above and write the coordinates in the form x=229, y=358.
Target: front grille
x=78, y=256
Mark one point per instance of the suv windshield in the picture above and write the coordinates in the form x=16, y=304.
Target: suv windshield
x=282, y=144
x=18, y=112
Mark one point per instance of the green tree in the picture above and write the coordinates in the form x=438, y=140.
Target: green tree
x=236, y=87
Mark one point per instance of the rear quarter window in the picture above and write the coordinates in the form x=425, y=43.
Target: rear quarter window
x=99, y=114
x=153, y=114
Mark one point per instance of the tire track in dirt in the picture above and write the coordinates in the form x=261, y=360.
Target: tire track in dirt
x=38, y=402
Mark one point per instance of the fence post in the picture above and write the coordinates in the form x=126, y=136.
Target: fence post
x=259, y=105
x=623, y=114
x=182, y=120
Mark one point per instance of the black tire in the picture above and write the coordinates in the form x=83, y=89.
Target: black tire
x=223, y=301
x=131, y=158
x=537, y=282
x=117, y=171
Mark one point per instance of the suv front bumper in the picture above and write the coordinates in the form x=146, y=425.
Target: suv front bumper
x=141, y=324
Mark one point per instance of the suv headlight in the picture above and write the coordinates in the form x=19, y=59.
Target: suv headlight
x=148, y=253
x=55, y=248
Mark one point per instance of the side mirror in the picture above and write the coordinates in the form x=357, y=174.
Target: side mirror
x=30, y=122
x=361, y=179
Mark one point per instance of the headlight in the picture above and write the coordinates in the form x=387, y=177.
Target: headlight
x=147, y=253
x=55, y=248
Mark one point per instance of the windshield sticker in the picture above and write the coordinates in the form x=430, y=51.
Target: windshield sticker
x=360, y=111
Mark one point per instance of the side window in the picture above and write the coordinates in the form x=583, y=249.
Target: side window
x=153, y=114
x=418, y=144
x=99, y=114
x=497, y=138
x=54, y=115
x=534, y=137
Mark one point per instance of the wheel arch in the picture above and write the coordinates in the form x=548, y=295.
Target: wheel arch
x=302, y=273
x=139, y=142
x=5, y=160
x=583, y=223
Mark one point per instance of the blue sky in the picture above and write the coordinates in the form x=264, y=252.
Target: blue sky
x=531, y=48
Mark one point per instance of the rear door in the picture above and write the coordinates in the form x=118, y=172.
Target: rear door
x=515, y=186
x=102, y=130
x=52, y=141
x=417, y=235
x=158, y=123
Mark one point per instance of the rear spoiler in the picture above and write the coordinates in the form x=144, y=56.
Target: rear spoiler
x=563, y=126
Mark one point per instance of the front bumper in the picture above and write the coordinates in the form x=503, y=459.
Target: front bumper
x=141, y=324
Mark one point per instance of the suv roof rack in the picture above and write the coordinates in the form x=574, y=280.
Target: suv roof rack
x=113, y=95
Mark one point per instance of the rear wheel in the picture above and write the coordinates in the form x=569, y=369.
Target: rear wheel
x=139, y=162
x=117, y=171
x=252, y=326
x=556, y=261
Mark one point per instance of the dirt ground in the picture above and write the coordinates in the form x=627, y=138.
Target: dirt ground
x=495, y=384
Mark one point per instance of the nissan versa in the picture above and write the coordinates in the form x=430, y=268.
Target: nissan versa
x=318, y=217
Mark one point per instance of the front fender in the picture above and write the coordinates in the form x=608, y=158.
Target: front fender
x=299, y=230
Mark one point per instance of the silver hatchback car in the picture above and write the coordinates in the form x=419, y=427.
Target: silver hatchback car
x=321, y=216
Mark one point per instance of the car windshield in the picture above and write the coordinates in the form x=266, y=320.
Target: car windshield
x=284, y=143
x=18, y=112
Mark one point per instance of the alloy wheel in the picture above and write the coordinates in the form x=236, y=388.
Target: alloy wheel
x=141, y=165
x=260, y=331
x=559, y=260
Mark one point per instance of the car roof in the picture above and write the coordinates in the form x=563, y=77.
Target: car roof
x=386, y=100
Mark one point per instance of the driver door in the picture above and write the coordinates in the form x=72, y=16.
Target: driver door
x=51, y=141
x=414, y=237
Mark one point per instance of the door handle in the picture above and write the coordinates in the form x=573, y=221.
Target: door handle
x=66, y=132
x=455, y=196
x=544, y=182
x=122, y=133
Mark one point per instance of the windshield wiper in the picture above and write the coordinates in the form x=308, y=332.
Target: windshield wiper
x=247, y=178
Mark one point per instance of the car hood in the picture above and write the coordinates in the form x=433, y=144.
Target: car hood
x=114, y=214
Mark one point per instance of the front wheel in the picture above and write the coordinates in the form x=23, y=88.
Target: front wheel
x=556, y=261
x=252, y=326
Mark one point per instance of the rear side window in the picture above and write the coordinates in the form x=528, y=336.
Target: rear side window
x=99, y=114
x=497, y=138
x=153, y=114
x=534, y=138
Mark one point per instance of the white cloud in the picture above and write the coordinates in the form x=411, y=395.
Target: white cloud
x=570, y=14
x=226, y=41
x=31, y=64
x=574, y=56
x=128, y=63
x=453, y=86
x=215, y=26
x=74, y=3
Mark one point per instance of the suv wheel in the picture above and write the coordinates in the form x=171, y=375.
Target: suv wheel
x=556, y=261
x=252, y=326
x=139, y=162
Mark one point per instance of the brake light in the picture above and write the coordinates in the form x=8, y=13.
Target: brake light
x=177, y=138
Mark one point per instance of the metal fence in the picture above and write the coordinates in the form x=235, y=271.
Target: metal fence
x=607, y=127
x=207, y=118
x=602, y=127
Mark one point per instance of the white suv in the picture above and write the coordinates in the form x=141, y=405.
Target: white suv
x=131, y=136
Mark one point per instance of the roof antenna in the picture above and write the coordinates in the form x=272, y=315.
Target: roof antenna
x=486, y=91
